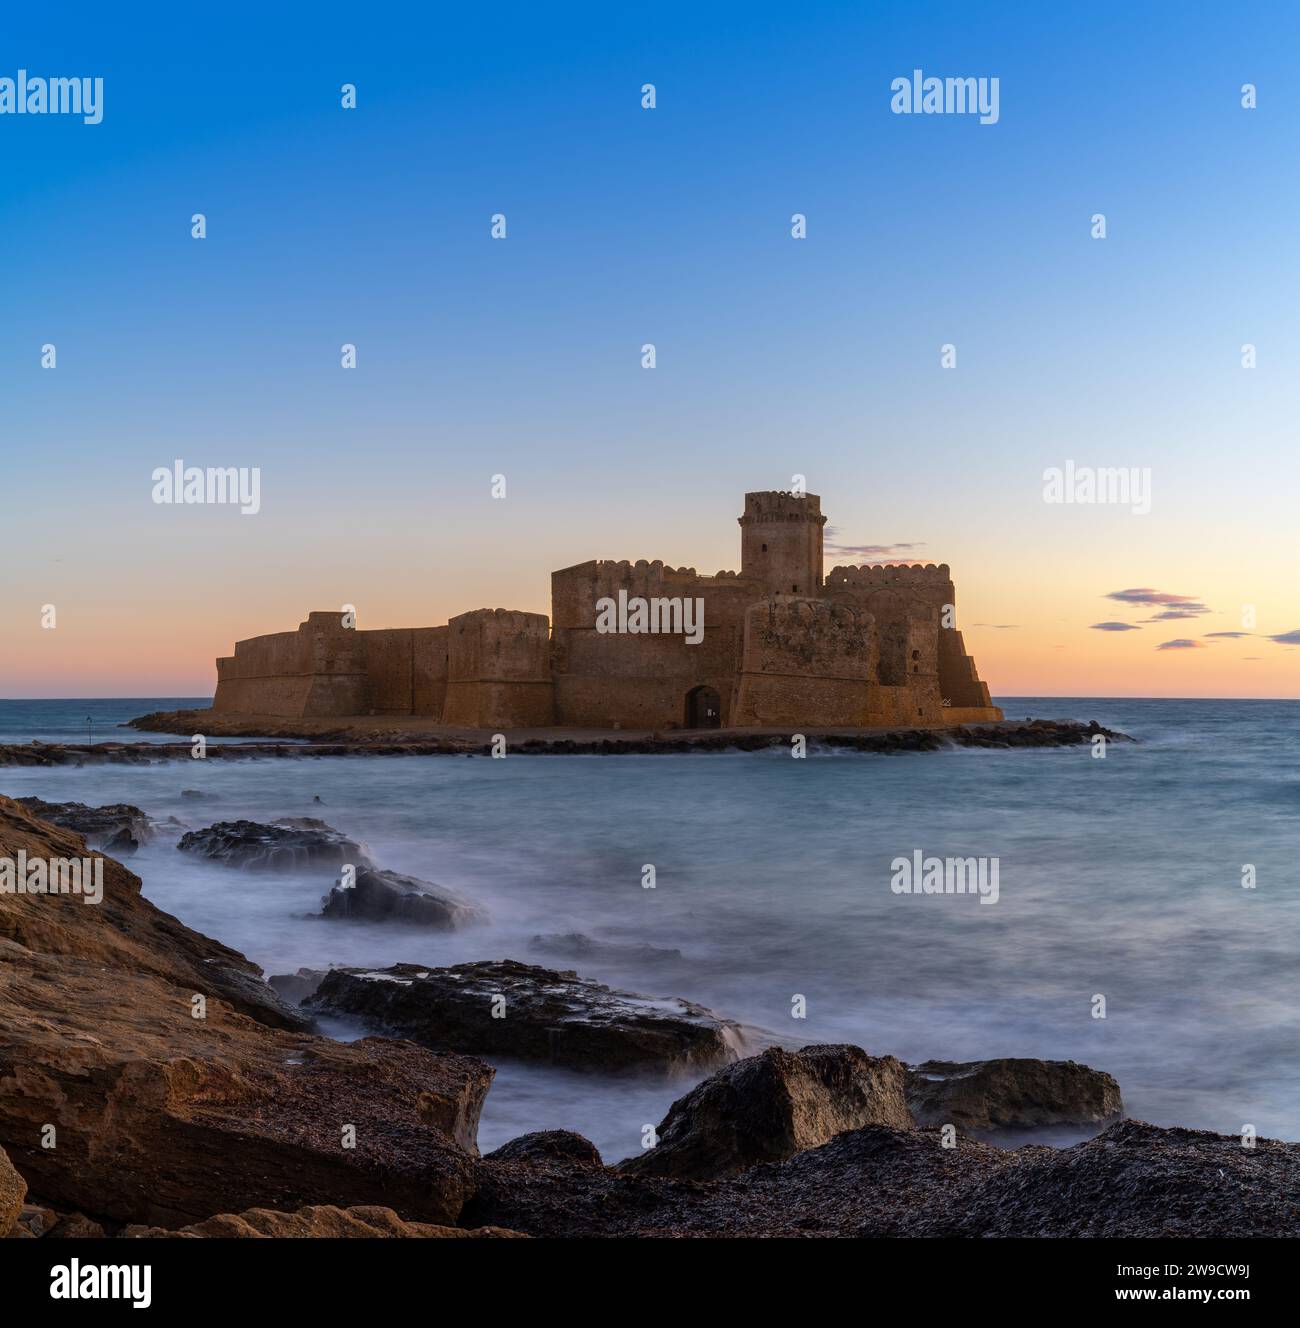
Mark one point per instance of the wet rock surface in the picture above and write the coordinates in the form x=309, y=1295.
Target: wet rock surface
x=292, y=843
x=1011, y=1093
x=389, y=896
x=770, y=1107
x=117, y=828
x=544, y=1015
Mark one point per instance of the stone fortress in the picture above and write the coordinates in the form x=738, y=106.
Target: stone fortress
x=781, y=645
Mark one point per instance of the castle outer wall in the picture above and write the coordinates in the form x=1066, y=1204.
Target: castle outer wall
x=777, y=645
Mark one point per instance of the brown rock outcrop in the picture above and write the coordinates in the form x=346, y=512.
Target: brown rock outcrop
x=13, y=1190
x=1012, y=1093
x=162, y=1117
x=770, y=1107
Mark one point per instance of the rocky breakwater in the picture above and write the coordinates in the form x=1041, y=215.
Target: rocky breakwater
x=149, y=1075
x=506, y=1008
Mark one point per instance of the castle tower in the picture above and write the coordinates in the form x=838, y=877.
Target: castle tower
x=781, y=541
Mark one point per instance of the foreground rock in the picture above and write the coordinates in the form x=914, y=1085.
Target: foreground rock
x=1011, y=1094
x=364, y=1222
x=549, y=1146
x=292, y=843
x=1134, y=1180
x=770, y=1107
x=117, y=828
x=388, y=896
x=549, y=1016
x=1139, y=1180
x=163, y=1118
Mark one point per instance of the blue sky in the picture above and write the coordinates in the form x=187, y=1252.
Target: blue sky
x=628, y=226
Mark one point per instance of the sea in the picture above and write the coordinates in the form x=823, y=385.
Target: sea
x=1147, y=921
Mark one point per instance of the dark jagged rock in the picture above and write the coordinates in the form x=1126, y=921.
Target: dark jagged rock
x=547, y=1015
x=1138, y=1180
x=577, y=945
x=117, y=828
x=1011, y=1093
x=770, y=1107
x=1134, y=1180
x=874, y=1181
x=289, y=844
x=388, y=896
x=549, y=1146
x=297, y=987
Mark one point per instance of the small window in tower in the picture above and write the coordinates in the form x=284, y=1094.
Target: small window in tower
x=916, y=654
x=764, y=548
x=794, y=590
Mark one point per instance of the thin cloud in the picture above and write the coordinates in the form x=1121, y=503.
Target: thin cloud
x=1115, y=627
x=1182, y=643
x=872, y=553
x=1174, y=606
x=1001, y=627
x=1173, y=614
x=1287, y=638
x=1231, y=636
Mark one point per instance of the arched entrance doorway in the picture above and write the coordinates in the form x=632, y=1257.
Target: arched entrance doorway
x=703, y=708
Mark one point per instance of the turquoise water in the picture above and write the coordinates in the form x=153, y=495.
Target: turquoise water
x=1118, y=877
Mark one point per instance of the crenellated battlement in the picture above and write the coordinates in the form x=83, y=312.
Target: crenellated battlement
x=778, y=642
x=890, y=574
